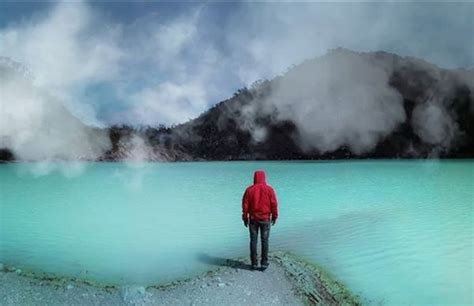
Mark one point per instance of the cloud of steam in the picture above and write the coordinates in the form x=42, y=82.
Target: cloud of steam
x=157, y=71
x=169, y=102
x=167, y=71
x=273, y=37
x=136, y=153
x=37, y=126
x=66, y=51
x=42, y=117
x=45, y=108
x=69, y=169
x=434, y=125
x=64, y=48
x=183, y=70
x=345, y=99
x=342, y=99
x=136, y=149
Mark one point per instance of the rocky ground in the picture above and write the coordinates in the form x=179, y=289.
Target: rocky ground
x=287, y=281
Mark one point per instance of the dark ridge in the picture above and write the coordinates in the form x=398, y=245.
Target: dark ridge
x=6, y=155
x=220, y=133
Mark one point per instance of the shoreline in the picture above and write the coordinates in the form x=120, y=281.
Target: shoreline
x=321, y=160
x=313, y=283
x=288, y=280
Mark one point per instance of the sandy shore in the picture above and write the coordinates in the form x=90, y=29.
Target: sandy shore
x=288, y=281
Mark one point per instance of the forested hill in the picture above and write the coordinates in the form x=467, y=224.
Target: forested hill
x=341, y=105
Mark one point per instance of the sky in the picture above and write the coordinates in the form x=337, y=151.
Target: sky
x=151, y=63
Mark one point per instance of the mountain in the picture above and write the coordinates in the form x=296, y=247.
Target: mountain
x=341, y=105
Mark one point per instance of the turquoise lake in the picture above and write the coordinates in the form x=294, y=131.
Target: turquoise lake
x=395, y=232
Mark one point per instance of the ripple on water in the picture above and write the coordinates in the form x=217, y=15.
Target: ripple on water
x=397, y=232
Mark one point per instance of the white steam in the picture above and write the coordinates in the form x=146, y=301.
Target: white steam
x=169, y=70
x=36, y=126
x=42, y=115
x=434, y=125
x=169, y=102
x=342, y=99
x=347, y=99
x=135, y=149
x=65, y=50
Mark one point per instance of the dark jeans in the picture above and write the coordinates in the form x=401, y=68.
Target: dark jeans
x=254, y=227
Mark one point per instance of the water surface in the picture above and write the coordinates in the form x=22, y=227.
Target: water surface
x=393, y=231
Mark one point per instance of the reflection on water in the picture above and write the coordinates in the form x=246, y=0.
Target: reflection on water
x=393, y=231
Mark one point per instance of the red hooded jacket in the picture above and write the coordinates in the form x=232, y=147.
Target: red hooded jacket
x=259, y=200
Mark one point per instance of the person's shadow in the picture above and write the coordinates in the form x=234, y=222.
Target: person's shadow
x=223, y=262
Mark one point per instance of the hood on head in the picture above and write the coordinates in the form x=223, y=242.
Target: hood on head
x=259, y=177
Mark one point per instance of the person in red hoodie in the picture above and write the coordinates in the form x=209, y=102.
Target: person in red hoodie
x=259, y=208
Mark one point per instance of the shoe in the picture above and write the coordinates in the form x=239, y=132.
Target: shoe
x=264, y=267
x=254, y=267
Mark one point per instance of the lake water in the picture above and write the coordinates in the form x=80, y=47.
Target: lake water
x=393, y=231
